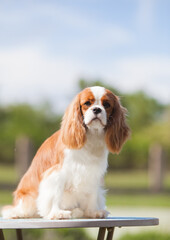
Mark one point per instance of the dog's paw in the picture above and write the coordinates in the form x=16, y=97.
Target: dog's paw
x=97, y=214
x=77, y=213
x=60, y=214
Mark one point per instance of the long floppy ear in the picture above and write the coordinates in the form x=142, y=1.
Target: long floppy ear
x=117, y=130
x=73, y=132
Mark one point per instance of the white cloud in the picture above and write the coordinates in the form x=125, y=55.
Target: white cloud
x=29, y=75
x=149, y=73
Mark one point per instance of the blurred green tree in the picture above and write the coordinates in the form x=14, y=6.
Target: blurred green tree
x=148, y=119
x=24, y=120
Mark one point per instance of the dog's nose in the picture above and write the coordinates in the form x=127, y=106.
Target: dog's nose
x=96, y=110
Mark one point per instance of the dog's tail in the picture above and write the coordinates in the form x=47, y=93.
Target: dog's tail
x=8, y=212
x=24, y=208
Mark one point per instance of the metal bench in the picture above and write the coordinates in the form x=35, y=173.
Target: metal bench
x=104, y=225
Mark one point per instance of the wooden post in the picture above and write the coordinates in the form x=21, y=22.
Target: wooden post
x=19, y=234
x=23, y=155
x=110, y=233
x=101, y=233
x=156, y=168
x=1, y=235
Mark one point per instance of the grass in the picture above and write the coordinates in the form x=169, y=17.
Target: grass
x=142, y=200
x=131, y=179
x=8, y=174
x=5, y=197
x=146, y=236
x=62, y=234
x=121, y=180
x=134, y=190
x=126, y=179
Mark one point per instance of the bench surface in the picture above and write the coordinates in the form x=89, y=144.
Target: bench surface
x=77, y=223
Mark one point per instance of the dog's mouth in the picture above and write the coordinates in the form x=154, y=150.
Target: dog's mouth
x=97, y=119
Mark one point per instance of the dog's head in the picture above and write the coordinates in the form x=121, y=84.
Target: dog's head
x=95, y=108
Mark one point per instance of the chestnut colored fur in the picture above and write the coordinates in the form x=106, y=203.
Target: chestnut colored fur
x=75, y=138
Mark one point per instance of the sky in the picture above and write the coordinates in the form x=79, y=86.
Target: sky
x=47, y=46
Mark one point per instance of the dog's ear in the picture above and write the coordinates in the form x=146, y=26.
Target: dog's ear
x=117, y=130
x=73, y=131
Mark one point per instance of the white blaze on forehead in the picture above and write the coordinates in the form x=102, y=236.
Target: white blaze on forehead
x=89, y=116
x=98, y=93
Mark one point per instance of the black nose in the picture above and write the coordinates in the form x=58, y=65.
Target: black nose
x=96, y=110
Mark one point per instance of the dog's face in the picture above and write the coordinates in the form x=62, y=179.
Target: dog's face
x=95, y=108
x=96, y=104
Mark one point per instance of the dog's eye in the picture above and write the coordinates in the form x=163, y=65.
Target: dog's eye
x=88, y=103
x=106, y=104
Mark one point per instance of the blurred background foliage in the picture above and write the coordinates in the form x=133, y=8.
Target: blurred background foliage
x=148, y=119
x=25, y=120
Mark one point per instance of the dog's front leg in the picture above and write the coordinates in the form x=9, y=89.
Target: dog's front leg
x=94, y=208
x=50, y=197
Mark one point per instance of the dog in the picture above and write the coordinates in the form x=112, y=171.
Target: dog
x=66, y=175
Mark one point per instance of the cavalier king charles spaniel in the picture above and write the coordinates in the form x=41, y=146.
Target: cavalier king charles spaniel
x=66, y=175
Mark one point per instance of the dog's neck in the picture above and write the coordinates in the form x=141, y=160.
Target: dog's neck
x=95, y=143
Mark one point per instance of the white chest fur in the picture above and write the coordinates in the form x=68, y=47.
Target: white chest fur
x=86, y=167
x=78, y=183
